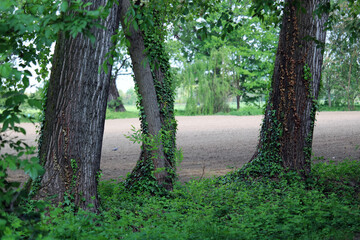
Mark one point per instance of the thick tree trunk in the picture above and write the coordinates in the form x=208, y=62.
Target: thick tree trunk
x=287, y=131
x=72, y=132
x=114, y=100
x=157, y=115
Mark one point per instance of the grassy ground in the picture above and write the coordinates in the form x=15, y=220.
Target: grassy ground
x=132, y=112
x=325, y=207
x=337, y=108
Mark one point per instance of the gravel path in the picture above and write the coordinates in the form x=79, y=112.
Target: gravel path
x=214, y=145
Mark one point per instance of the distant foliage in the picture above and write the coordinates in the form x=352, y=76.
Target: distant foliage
x=129, y=97
x=341, y=68
x=222, y=55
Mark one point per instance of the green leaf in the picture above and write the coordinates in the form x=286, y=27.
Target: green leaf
x=26, y=82
x=33, y=168
x=35, y=103
x=64, y=6
x=135, y=25
x=94, y=14
x=105, y=67
x=5, y=70
x=5, y=125
x=92, y=39
x=12, y=163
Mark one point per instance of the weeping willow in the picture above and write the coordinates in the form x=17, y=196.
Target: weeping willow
x=206, y=83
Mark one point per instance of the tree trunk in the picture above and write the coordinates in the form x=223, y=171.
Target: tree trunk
x=238, y=96
x=329, y=96
x=72, y=131
x=287, y=131
x=114, y=100
x=349, y=86
x=156, y=108
x=237, y=102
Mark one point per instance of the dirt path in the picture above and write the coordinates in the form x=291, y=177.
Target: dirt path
x=214, y=145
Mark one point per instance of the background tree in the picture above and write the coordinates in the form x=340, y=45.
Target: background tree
x=287, y=131
x=341, y=84
x=72, y=130
x=240, y=48
x=115, y=101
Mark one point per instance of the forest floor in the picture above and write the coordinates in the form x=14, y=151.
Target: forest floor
x=215, y=145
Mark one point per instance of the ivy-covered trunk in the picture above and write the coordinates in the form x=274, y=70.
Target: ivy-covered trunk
x=72, y=131
x=153, y=83
x=287, y=131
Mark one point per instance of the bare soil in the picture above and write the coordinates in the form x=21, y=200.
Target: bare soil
x=215, y=145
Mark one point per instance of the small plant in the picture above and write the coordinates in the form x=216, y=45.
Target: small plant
x=145, y=176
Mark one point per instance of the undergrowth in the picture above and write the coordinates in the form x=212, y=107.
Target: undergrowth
x=327, y=207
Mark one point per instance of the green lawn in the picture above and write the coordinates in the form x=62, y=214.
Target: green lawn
x=132, y=112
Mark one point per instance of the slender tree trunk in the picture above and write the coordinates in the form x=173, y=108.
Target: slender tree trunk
x=238, y=96
x=72, y=132
x=157, y=116
x=287, y=131
x=329, y=97
x=237, y=102
x=114, y=97
x=328, y=90
x=350, y=101
x=349, y=86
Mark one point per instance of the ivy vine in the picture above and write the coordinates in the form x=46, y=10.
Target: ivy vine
x=149, y=20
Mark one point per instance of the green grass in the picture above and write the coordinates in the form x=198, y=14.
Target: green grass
x=325, y=108
x=217, y=208
x=244, y=111
x=119, y=115
x=132, y=112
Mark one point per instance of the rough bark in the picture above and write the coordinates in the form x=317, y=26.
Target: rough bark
x=287, y=130
x=149, y=83
x=114, y=100
x=72, y=131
